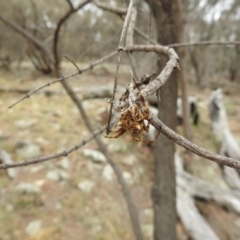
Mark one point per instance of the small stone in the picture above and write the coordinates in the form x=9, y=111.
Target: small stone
x=58, y=206
x=33, y=227
x=28, y=188
x=64, y=163
x=25, y=123
x=57, y=175
x=37, y=168
x=53, y=175
x=107, y=173
x=86, y=186
x=29, y=150
x=138, y=172
x=95, y=155
x=130, y=160
x=128, y=177
x=117, y=147
x=63, y=175
x=9, y=208
x=6, y=158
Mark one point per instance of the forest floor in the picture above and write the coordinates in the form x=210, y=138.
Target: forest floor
x=76, y=197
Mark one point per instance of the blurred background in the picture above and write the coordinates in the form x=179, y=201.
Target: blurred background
x=78, y=196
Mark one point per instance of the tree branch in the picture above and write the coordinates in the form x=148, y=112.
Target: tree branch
x=119, y=49
x=116, y=10
x=28, y=36
x=158, y=124
x=64, y=18
x=63, y=153
x=203, y=43
x=131, y=207
x=63, y=78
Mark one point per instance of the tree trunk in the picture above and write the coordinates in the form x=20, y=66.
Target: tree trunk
x=168, y=16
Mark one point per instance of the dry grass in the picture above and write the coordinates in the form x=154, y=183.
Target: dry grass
x=67, y=212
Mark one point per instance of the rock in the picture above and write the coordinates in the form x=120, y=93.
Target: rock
x=107, y=173
x=33, y=227
x=6, y=158
x=28, y=150
x=117, y=147
x=57, y=175
x=64, y=163
x=9, y=207
x=58, y=206
x=138, y=172
x=128, y=177
x=53, y=175
x=86, y=186
x=63, y=175
x=130, y=160
x=42, y=141
x=28, y=188
x=36, y=168
x=23, y=123
x=95, y=155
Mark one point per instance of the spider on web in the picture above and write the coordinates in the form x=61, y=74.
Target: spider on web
x=134, y=117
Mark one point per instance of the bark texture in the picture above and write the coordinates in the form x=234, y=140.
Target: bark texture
x=168, y=16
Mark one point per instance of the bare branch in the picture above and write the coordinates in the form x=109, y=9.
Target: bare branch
x=191, y=146
x=26, y=35
x=120, y=49
x=129, y=42
x=70, y=4
x=116, y=10
x=204, y=43
x=70, y=60
x=63, y=153
x=171, y=65
x=131, y=207
x=91, y=66
x=71, y=11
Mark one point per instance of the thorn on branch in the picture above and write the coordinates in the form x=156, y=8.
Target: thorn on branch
x=70, y=60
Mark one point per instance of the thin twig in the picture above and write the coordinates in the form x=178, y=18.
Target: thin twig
x=70, y=60
x=204, y=43
x=91, y=66
x=63, y=153
x=130, y=42
x=130, y=203
x=149, y=21
x=119, y=49
x=107, y=7
x=60, y=23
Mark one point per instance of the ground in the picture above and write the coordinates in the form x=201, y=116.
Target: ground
x=60, y=208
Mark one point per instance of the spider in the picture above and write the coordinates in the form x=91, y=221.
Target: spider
x=133, y=118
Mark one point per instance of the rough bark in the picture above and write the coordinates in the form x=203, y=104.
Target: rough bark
x=169, y=30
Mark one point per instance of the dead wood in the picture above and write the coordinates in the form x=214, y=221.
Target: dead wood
x=220, y=207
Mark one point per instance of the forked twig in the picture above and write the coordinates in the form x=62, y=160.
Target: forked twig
x=70, y=60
